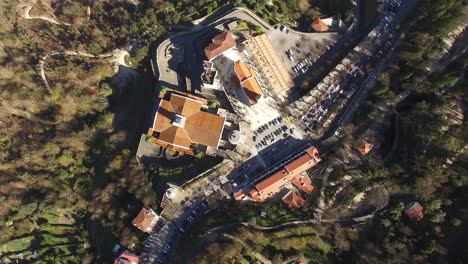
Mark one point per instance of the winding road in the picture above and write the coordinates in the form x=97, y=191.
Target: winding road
x=27, y=15
x=118, y=54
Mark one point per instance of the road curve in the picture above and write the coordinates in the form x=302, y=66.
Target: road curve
x=27, y=15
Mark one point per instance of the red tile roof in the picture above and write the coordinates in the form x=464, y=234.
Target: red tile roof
x=195, y=126
x=144, y=219
x=365, y=148
x=272, y=184
x=293, y=200
x=304, y=183
x=205, y=128
x=291, y=173
x=246, y=79
x=319, y=26
x=185, y=106
x=240, y=195
x=127, y=258
x=175, y=135
x=304, y=162
x=414, y=211
x=219, y=44
x=256, y=196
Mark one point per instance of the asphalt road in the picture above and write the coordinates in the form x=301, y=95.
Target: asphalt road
x=192, y=55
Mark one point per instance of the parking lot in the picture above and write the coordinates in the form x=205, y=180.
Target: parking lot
x=270, y=132
x=335, y=90
x=297, y=50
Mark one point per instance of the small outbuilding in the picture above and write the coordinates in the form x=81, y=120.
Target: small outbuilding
x=318, y=25
x=146, y=219
x=293, y=200
x=127, y=258
x=414, y=211
x=364, y=148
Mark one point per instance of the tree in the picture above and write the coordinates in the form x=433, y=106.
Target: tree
x=95, y=48
x=105, y=90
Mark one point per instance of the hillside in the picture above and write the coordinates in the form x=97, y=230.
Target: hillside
x=76, y=88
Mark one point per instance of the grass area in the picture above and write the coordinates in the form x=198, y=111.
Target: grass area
x=15, y=245
x=178, y=171
x=246, y=25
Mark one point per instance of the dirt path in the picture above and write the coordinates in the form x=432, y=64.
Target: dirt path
x=88, y=10
x=26, y=15
x=117, y=55
x=43, y=60
x=321, y=199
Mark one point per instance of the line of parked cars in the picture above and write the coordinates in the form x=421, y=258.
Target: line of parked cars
x=271, y=137
x=365, y=53
x=335, y=93
x=156, y=238
x=303, y=65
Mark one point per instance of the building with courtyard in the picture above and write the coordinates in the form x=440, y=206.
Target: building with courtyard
x=186, y=123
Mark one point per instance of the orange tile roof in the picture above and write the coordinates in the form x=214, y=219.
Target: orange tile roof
x=197, y=126
x=127, y=258
x=303, y=163
x=239, y=195
x=247, y=80
x=144, y=219
x=242, y=70
x=291, y=173
x=319, y=26
x=205, y=128
x=253, y=90
x=184, y=106
x=414, y=211
x=173, y=147
x=256, y=196
x=293, y=200
x=219, y=44
x=272, y=184
x=164, y=116
x=304, y=183
x=267, y=59
x=365, y=148
x=175, y=135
